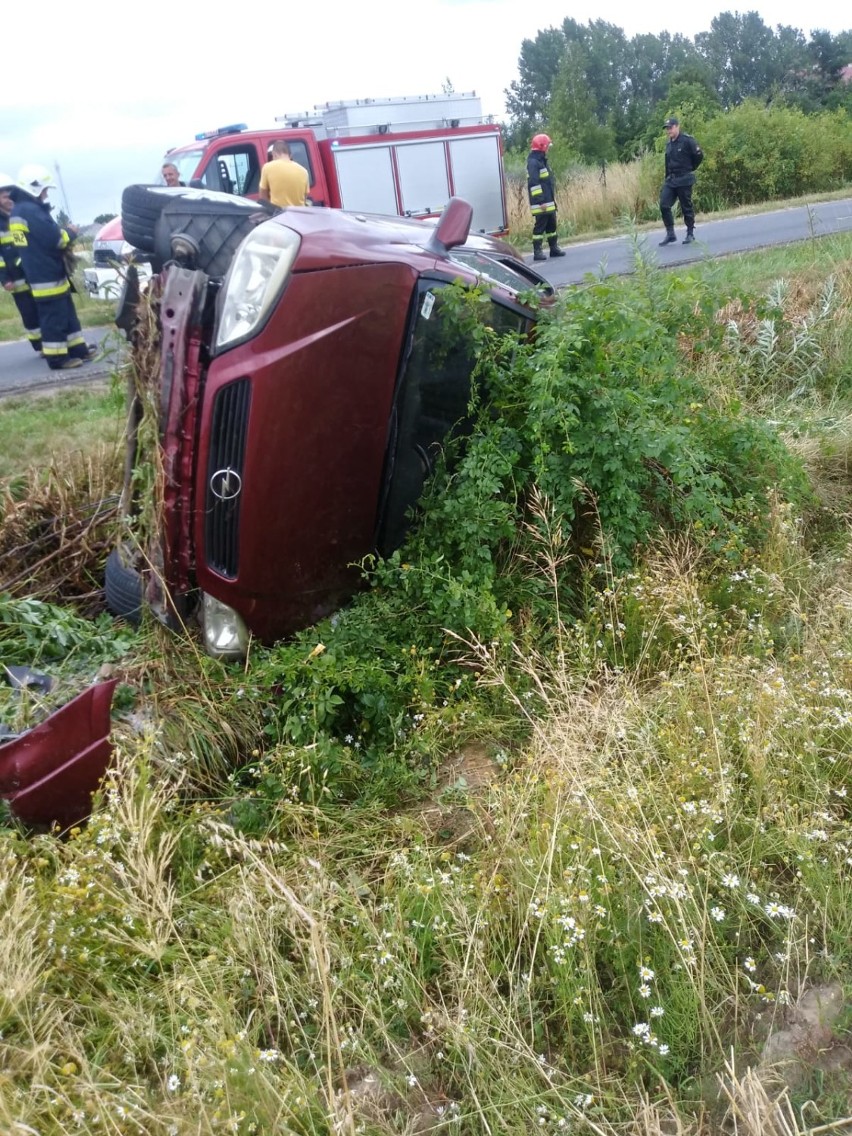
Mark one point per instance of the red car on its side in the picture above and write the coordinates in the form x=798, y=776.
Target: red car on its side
x=302, y=396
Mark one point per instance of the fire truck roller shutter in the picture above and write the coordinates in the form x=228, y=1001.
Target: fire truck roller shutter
x=365, y=177
x=475, y=164
x=423, y=180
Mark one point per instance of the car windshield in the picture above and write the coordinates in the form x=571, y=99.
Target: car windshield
x=186, y=162
x=504, y=272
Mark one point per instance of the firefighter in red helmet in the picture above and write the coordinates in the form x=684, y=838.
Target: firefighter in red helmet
x=542, y=198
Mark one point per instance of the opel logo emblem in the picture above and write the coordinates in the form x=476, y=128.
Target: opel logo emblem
x=226, y=484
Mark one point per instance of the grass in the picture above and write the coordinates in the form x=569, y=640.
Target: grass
x=588, y=921
x=594, y=205
x=92, y=312
x=808, y=262
x=67, y=421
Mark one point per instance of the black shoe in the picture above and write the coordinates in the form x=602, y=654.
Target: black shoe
x=668, y=239
x=66, y=364
x=539, y=255
x=689, y=238
x=556, y=251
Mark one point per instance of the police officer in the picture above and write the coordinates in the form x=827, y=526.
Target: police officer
x=683, y=157
x=41, y=243
x=542, y=197
x=12, y=277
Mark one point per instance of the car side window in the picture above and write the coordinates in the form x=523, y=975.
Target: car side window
x=299, y=153
x=431, y=401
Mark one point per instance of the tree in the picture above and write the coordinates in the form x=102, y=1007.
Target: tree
x=528, y=96
x=103, y=218
x=573, y=114
x=748, y=59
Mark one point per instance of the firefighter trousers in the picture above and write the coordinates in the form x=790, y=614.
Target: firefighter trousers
x=28, y=312
x=61, y=334
x=544, y=225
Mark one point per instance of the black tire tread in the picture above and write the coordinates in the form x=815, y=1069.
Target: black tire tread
x=122, y=588
x=140, y=208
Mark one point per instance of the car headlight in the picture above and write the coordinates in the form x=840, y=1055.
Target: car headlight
x=225, y=634
x=254, y=282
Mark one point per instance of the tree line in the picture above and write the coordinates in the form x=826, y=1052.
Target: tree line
x=604, y=95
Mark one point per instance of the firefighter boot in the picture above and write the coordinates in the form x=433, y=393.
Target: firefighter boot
x=689, y=238
x=669, y=238
x=555, y=250
x=537, y=253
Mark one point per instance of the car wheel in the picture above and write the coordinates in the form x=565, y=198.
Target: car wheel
x=141, y=205
x=122, y=588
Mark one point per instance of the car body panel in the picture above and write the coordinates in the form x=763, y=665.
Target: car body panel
x=316, y=437
x=48, y=774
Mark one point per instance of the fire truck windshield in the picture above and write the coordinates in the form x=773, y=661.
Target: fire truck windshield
x=186, y=162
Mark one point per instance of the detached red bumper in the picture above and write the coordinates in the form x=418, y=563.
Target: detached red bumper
x=48, y=775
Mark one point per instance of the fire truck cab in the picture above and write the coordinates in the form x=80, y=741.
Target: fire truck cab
x=403, y=157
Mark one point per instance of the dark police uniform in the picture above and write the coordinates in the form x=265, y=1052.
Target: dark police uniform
x=683, y=157
x=40, y=243
x=12, y=272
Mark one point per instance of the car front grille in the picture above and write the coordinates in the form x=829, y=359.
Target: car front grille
x=225, y=477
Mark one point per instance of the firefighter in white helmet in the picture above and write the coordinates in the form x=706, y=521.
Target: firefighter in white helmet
x=41, y=244
x=12, y=277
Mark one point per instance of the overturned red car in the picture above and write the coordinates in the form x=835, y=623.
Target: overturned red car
x=306, y=374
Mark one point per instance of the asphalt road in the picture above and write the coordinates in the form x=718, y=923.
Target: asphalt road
x=616, y=255
x=21, y=371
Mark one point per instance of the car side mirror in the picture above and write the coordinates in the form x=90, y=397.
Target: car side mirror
x=453, y=227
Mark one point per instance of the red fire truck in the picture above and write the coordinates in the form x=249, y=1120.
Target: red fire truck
x=403, y=157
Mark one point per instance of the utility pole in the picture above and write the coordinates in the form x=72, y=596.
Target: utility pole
x=62, y=191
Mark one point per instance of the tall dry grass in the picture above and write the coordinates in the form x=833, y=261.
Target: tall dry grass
x=591, y=200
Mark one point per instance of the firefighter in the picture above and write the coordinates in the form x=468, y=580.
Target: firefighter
x=41, y=245
x=683, y=157
x=542, y=198
x=11, y=271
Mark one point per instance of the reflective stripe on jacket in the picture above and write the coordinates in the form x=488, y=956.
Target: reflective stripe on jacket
x=38, y=242
x=540, y=183
x=11, y=269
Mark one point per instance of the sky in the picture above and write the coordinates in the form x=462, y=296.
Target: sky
x=104, y=89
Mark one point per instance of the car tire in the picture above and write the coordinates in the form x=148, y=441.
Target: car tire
x=141, y=205
x=122, y=588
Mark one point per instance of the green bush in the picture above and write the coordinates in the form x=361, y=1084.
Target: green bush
x=758, y=153
x=587, y=444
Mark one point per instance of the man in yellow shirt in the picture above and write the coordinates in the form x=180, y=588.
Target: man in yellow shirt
x=283, y=181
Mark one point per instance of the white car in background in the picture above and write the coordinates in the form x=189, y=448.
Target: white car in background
x=111, y=254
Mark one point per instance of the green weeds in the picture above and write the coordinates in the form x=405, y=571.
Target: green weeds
x=307, y=903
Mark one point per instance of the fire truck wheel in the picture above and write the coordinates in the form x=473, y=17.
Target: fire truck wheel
x=141, y=205
x=122, y=588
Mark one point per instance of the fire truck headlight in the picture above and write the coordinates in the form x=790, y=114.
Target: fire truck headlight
x=255, y=280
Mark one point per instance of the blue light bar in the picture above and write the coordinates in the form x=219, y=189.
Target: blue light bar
x=235, y=128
